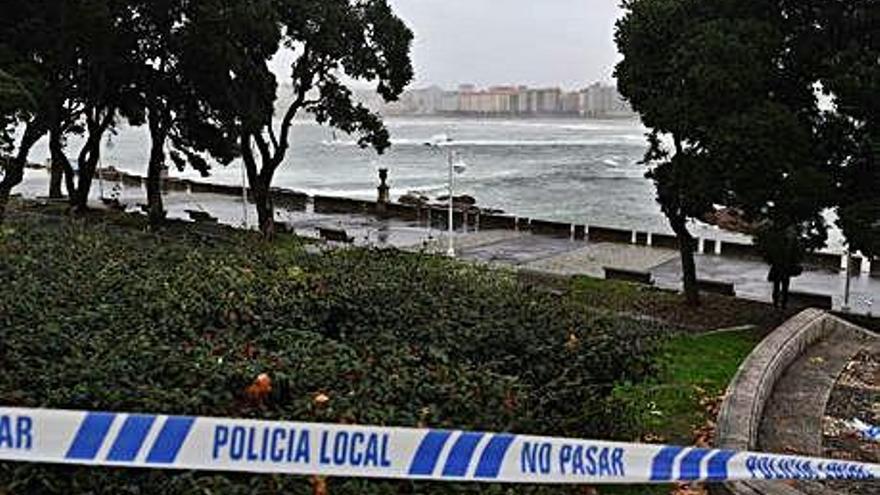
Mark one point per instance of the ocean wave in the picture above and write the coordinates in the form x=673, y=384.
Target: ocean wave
x=507, y=143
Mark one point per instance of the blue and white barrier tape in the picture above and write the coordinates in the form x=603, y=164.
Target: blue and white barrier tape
x=214, y=444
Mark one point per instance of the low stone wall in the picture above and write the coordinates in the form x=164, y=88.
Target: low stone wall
x=664, y=241
x=825, y=261
x=554, y=229
x=605, y=234
x=738, y=250
x=326, y=204
x=497, y=222
x=740, y=416
x=289, y=199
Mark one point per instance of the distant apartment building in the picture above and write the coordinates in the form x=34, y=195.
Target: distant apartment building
x=599, y=100
x=596, y=101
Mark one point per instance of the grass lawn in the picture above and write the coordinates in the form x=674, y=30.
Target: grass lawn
x=677, y=405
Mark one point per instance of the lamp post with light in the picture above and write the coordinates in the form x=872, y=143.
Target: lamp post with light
x=456, y=166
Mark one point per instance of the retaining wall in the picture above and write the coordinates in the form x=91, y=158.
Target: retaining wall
x=605, y=234
x=554, y=229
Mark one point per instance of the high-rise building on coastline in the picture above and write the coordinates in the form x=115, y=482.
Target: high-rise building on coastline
x=596, y=101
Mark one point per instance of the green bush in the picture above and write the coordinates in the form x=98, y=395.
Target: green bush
x=105, y=318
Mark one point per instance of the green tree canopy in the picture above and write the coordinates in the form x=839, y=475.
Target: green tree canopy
x=728, y=92
x=227, y=48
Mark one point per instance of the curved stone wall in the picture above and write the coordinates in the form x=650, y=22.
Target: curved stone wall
x=739, y=419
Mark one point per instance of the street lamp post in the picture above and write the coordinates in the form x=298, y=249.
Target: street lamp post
x=451, y=250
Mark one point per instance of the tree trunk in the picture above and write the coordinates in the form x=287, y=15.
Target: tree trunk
x=687, y=246
x=88, y=164
x=155, y=207
x=58, y=170
x=56, y=179
x=265, y=208
x=14, y=171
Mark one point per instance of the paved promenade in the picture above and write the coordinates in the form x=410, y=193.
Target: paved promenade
x=509, y=248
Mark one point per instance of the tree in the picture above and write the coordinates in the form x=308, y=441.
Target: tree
x=102, y=81
x=653, y=37
x=20, y=23
x=228, y=45
x=729, y=85
x=176, y=115
x=851, y=75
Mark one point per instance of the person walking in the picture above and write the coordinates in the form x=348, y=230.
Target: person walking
x=783, y=252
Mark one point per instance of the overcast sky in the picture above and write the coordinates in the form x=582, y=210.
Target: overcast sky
x=565, y=43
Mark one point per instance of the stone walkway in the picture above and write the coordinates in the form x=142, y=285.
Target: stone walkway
x=794, y=417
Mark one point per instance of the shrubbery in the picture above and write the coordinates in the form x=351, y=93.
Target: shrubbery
x=101, y=317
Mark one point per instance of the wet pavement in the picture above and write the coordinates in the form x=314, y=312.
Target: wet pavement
x=508, y=248
x=750, y=279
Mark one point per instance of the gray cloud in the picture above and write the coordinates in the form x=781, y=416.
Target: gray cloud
x=566, y=43
x=534, y=42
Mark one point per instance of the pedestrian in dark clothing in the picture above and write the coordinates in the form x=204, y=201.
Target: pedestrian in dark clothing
x=783, y=252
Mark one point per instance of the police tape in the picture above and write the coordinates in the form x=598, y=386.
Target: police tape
x=216, y=444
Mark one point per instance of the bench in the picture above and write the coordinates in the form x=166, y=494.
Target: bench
x=716, y=287
x=335, y=235
x=201, y=216
x=632, y=276
x=807, y=299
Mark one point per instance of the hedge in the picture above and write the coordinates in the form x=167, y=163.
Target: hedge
x=109, y=318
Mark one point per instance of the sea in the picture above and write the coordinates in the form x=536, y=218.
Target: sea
x=582, y=171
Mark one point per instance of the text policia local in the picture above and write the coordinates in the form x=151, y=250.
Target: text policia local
x=341, y=448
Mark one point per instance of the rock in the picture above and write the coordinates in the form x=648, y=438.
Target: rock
x=463, y=200
x=414, y=199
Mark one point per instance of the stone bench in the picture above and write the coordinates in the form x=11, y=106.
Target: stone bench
x=632, y=276
x=810, y=300
x=335, y=235
x=716, y=287
x=201, y=216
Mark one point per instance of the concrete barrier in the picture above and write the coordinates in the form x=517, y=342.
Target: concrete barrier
x=289, y=199
x=709, y=246
x=175, y=184
x=809, y=300
x=580, y=232
x=824, y=261
x=664, y=241
x=130, y=180
x=440, y=218
x=199, y=187
x=738, y=250
x=497, y=222
x=404, y=212
x=327, y=204
x=632, y=276
x=716, y=287
x=855, y=265
x=554, y=229
x=605, y=234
